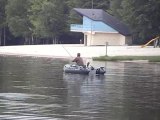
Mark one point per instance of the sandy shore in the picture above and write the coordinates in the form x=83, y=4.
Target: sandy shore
x=70, y=51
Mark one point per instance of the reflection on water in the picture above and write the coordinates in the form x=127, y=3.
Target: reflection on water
x=37, y=89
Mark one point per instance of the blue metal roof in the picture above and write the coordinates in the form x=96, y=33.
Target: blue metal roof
x=100, y=15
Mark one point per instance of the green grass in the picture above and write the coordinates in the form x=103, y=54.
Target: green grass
x=127, y=58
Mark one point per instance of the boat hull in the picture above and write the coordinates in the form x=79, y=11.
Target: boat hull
x=75, y=69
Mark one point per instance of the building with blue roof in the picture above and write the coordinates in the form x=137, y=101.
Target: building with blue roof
x=100, y=27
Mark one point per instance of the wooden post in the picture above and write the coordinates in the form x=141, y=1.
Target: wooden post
x=4, y=37
x=106, y=48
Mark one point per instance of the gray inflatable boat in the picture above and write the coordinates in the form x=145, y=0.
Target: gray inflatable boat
x=68, y=68
x=75, y=69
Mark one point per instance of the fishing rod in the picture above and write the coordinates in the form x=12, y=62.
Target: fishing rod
x=67, y=51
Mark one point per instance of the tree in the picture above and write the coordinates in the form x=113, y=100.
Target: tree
x=97, y=4
x=115, y=6
x=143, y=17
x=49, y=18
x=55, y=13
x=36, y=17
x=2, y=21
x=18, y=18
x=101, y=4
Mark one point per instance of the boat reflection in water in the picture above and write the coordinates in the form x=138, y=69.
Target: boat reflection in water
x=85, y=95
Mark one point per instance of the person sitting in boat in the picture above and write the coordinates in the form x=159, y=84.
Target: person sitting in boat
x=79, y=60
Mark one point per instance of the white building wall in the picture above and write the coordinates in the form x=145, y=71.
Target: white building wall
x=111, y=38
x=128, y=40
x=122, y=39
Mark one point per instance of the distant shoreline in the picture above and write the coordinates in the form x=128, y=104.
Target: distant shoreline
x=143, y=59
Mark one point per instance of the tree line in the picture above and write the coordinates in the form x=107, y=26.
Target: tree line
x=48, y=21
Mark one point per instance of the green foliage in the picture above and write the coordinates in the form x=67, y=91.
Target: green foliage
x=3, y=23
x=115, y=6
x=36, y=17
x=2, y=13
x=97, y=4
x=17, y=17
x=142, y=16
x=48, y=20
x=55, y=17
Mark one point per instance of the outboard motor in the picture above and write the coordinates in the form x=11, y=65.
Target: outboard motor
x=100, y=70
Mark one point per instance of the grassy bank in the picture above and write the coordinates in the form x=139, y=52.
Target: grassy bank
x=127, y=58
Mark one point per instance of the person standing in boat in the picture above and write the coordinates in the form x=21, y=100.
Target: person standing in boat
x=78, y=60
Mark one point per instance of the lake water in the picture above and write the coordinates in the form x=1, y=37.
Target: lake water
x=37, y=89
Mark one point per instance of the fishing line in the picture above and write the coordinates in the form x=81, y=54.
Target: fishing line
x=67, y=51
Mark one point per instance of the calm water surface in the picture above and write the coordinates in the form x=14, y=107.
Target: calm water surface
x=37, y=89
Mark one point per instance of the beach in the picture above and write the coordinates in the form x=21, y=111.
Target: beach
x=70, y=50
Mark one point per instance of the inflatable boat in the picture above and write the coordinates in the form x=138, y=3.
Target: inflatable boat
x=75, y=69
x=68, y=68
